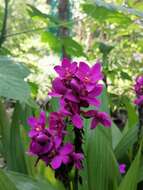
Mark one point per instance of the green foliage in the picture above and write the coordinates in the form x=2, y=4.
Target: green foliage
x=17, y=152
x=12, y=76
x=5, y=182
x=126, y=142
x=5, y=133
x=102, y=14
x=72, y=48
x=36, y=13
x=131, y=178
x=102, y=166
x=23, y=182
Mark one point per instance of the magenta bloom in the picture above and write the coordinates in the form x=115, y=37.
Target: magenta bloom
x=77, y=87
x=138, y=88
x=97, y=118
x=122, y=168
x=78, y=158
x=63, y=156
x=89, y=76
x=72, y=109
x=139, y=85
x=139, y=100
x=67, y=69
x=89, y=98
x=37, y=124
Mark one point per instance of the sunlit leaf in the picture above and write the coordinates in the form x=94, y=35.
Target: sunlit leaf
x=23, y=182
x=12, y=83
x=6, y=183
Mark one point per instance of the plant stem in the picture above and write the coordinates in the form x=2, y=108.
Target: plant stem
x=78, y=148
x=75, y=184
x=4, y=24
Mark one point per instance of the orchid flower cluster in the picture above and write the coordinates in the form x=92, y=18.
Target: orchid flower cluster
x=77, y=87
x=138, y=88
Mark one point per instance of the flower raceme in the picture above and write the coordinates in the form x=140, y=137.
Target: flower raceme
x=77, y=87
x=138, y=88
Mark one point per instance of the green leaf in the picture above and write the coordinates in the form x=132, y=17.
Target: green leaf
x=5, y=132
x=34, y=12
x=17, y=152
x=123, y=9
x=141, y=173
x=53, y=104
x=5, y=182
x=126, y=142
x=132, y=114
x=53, y=41
x=126, y=76
x=131, y=178
x=105, y=108
x=116, y=135
x=23, y=182
x=104, y=48
x=12, y=83
x=102, y=13
x=72, y=47
x=102, y=166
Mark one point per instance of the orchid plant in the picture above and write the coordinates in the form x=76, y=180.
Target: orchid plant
x=77, y=87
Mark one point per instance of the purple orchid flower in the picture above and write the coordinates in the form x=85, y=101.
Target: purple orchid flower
x=37, y=148
x=67, y=69
x=72, y=109
x=60, y=90
x=122, y=168
x=63, y=156
x=84, y=96
x=78, y=157
x=139, y=101
x=98, y=118
x=139, y=86
x=37, y=124
x=57, y=127
x=89, y=76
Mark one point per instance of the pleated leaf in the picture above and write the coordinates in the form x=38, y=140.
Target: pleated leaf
x=131, y=178
x=23, y=182
x=126, y=142
x=5, y=182
x=5, y=133
x=102, y=167
x=17, y=152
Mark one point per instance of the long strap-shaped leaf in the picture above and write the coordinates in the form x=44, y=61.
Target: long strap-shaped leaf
x=101, y=168
x=24, y=182
x=18, y=181
x=17, y=153
x=126, y=142
x=5, y=133
x=5, y=182
x=131, y=179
